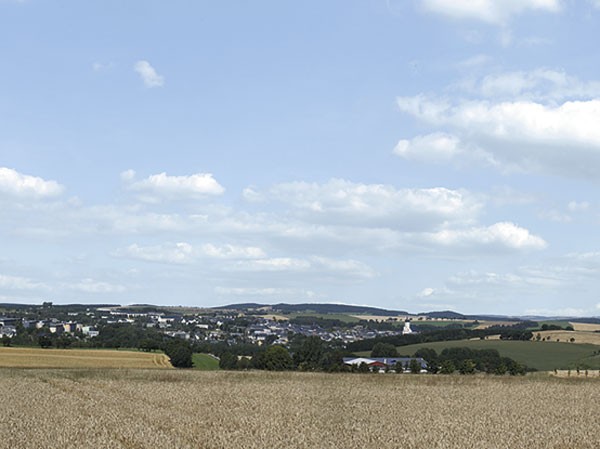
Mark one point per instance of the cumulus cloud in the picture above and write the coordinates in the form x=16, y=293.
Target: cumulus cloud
x=17, y=184
x=500, y=235
x=490, y=11
x=354, y=204
x=437, y=147
x=173, y=187
x=541, y=84
x=148, y=74
x=521, y=135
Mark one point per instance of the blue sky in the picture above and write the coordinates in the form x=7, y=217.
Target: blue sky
x=417, y=155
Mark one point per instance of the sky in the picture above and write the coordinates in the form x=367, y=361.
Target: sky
x=416, y=155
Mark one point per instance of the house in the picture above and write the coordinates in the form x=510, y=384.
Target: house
x=9, y=331
x=5, y=321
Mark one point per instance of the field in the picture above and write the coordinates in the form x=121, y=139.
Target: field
x=579, y=336
x=205, y=362
x=328, y=316
x=79, y=358
x=587, y=327
x=543, y=356
x=194, y=409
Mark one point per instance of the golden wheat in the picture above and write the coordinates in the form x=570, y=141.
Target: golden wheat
x=79, y=358
x=186, y=409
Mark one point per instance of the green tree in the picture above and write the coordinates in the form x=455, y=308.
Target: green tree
x=384, y=350
x=447, y=367
x=243, y=363
x=149, y=344
x=415, y=366
x=277, y=358
x=398, y=368
x=44, y=341
x=180, y=354
x=6, y=341
x=363, y=368
x=468, y=367
x=308, y=356
x=259, y=360
x=64, y=341
x=431, y=358
x=500, y=369
x=228, y=361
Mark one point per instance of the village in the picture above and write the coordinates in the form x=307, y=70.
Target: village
x=231, y=327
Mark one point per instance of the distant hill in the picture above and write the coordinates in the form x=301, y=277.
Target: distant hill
x=346, y=309
x=446, y=314
x=315, y=308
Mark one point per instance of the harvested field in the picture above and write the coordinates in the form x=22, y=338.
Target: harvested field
x=192, y=409
x=586, y=327
x=80, y=358
x=580, y=337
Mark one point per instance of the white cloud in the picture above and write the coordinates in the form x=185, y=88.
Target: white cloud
x=177, y=253
x=128, y=175
x=555, y=215
x=251, y=195
x=345, y=203
x=265, y=291
x=521, y=135
x=233, y=251
x=20, y=283
x=539, y=84
x=575, y=206
x=471, y=279
x=348, y=267
x=275, y=264
x=101, y=66
x=500, y=235
x=19, y=185
x=148, y=74
x=559, y=312
x=174, y=187
x=90, y=285
x=474, y=62
x=315, y=266
x=490, y=11
x=426, y=292
x=436, y=147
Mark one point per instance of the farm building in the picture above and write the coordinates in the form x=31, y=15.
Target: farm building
x=383, y=363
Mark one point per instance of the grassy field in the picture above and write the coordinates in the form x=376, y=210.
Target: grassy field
x=80, y=358
x=194, y=409
x=205, y=362
x=543, y=356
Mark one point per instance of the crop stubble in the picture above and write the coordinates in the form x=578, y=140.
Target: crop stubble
x=176, y=409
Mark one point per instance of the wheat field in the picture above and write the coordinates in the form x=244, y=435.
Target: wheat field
x=187, y=409
x=80, y=358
